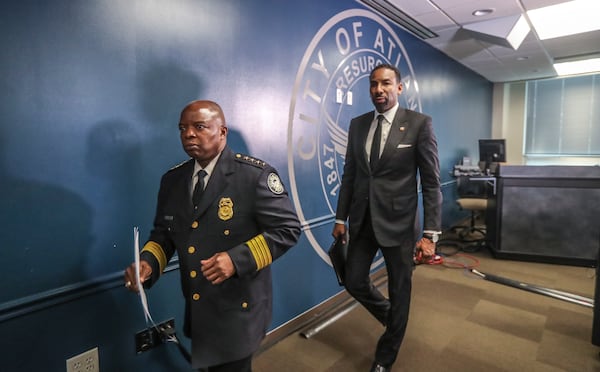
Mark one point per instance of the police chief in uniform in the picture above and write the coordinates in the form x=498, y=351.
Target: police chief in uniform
x=226, y=238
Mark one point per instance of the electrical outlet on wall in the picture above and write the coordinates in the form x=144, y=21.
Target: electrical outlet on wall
x=84, y=362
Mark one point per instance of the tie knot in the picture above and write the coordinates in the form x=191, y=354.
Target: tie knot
x=380, y=118
x=201, y=174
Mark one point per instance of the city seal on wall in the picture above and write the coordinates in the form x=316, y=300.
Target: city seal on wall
x=332, y=87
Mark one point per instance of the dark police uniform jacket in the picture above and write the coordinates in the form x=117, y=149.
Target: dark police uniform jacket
x=245, y=211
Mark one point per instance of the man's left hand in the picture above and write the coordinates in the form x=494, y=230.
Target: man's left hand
x=218, y=268
x=427, y=246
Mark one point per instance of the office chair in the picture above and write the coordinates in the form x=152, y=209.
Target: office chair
x=472, y=197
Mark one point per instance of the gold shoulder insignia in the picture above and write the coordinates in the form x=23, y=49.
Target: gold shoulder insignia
x=246, y=159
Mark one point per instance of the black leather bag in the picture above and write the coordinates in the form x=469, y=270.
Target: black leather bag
x=338, y=252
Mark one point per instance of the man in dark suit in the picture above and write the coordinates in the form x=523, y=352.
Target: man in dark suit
x=378, y=197
x=226, y=235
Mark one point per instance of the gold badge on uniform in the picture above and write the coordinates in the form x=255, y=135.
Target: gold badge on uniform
x=225, y=209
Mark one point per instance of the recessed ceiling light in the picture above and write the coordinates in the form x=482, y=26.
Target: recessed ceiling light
x=482, y=12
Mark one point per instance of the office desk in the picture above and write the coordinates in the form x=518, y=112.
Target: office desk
x=489, y=180
x=546, y=214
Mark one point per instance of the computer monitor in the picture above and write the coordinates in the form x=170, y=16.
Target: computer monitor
x=492, y=152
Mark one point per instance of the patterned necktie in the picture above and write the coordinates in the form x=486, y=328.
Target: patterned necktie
x=199, y=188
x=376, y=143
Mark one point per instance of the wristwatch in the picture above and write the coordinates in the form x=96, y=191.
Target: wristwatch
x=433, y=237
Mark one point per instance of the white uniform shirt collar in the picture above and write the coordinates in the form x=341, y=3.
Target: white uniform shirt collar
x=208, y=169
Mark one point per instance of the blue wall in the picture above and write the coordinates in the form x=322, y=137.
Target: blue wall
x=88, y=123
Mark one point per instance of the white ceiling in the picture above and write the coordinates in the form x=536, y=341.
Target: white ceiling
x=498, y=63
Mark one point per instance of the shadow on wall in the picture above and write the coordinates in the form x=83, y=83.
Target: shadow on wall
x=164, y=89
x=45, y=234
x=116, y=184
x=126, y=158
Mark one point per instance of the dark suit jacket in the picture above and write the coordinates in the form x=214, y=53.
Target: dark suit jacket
x=390, y=190
x=245, y=211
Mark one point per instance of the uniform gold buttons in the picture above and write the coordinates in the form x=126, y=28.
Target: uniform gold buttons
x=191, y=249
x=193, y=274
x=194, y=224
x=244, y=305
x=226, y=232
x=196, y=296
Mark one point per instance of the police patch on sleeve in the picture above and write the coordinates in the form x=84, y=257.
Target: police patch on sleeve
x=274, y=184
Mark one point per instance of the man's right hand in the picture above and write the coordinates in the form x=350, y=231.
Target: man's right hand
x=339, y=230
x=129, y=277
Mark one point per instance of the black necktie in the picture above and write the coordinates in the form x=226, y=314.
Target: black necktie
x=199, y=188
x=376, y=143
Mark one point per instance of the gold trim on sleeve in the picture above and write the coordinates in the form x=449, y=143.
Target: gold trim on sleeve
x=260, y=251
x=156, y=250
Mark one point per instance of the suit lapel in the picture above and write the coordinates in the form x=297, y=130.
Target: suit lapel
x=397, y=134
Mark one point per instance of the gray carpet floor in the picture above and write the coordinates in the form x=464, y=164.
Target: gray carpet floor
x=461, y=322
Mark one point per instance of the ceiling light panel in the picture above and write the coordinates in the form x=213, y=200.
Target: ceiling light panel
x=569, y=18
x=577, y=67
